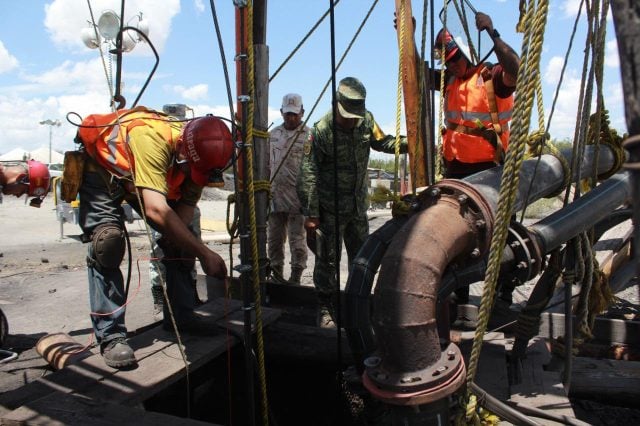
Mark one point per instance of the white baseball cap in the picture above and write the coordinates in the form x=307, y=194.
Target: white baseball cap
x=292, y=102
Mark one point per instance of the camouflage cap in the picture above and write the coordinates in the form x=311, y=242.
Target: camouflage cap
x=351, y=96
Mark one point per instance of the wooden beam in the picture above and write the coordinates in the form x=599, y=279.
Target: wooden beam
x=160, y=363
x=606, y=380
x=411, y=92
x=64, y=409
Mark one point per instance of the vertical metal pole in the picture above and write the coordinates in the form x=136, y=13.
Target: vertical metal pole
x=245, y=247
x=626, y=19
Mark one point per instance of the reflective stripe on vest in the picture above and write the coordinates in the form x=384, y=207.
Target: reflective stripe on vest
x=466, y=104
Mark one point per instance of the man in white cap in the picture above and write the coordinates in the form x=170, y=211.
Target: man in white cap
x=356, y=134
x=285, y=218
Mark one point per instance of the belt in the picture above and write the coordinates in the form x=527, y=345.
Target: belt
x=464, y=129
x=471, y=130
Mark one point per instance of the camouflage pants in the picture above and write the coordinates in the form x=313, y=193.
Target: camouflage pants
x=282, y=225
x=353, y=230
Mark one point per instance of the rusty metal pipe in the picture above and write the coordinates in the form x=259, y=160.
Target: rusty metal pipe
x=405, y=323
x=456, y=224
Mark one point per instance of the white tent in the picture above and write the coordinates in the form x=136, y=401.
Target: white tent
x=16, y=154
x=41, y=154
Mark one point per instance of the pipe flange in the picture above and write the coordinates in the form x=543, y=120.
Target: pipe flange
x=433, y=383
x=473, y=207
x=526, y=254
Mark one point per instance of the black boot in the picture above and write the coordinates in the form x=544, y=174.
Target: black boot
x=296, y=274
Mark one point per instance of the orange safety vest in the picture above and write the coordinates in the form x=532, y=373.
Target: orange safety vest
x=467, y=105
x=106, y=140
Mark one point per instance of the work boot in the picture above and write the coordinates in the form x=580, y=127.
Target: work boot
x=158, y=302
x=117, y=353
x=296, y=274
x=324, y=318
x=277, y=272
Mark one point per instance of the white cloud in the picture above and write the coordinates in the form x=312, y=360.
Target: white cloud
x=553, y=70
x=7, y=60
x=571, y=7
x=193, y=93
x=611, y=56
x=199, y=6
x=64, y=27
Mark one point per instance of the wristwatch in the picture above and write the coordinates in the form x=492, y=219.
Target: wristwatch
x=495, y=34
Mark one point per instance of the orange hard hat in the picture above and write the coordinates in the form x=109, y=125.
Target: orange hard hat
x=444, y=38
x=208, y=147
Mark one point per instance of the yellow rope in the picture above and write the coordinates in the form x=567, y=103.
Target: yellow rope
x=401, y=29
x=531, y=48
x=438, y=160
x=255, y=267
x=260, y=133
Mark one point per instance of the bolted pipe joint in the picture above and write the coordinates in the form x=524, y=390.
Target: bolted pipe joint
x=433, y=383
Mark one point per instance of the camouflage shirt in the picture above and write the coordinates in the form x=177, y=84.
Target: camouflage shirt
x=316, y=178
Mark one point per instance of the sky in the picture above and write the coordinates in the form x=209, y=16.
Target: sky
x=47, y=72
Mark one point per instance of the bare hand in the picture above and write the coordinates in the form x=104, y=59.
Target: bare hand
x=483, y=22
x=213, y=265
x=310, y=225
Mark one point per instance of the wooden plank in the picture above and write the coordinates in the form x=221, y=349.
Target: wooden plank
x=609, y=330
x=411, y=92
x=606, y=380
x=159, y=364
x=64, y=409
x=611, y=251
x=539, y=388
x=605, y=330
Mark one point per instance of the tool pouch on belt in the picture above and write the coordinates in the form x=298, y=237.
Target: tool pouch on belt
x=72, y=175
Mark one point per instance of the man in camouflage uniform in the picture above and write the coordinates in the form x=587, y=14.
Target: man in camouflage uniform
x=357, y=132
x=285, y=219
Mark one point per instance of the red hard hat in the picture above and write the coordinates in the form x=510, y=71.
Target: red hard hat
x=208, y=147
x=450, y=46
x=39, y=178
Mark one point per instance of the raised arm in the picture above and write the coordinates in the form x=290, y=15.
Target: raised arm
x=507, y=57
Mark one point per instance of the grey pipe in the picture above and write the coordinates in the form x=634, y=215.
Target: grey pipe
x=539, y=179
x=591, y=208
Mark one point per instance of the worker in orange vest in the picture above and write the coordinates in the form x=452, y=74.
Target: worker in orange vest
x=167, y=164
x=478, y=103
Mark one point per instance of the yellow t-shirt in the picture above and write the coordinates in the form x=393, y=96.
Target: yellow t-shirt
x=154, y=157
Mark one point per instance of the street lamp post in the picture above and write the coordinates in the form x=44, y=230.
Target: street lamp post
x=50, y=123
